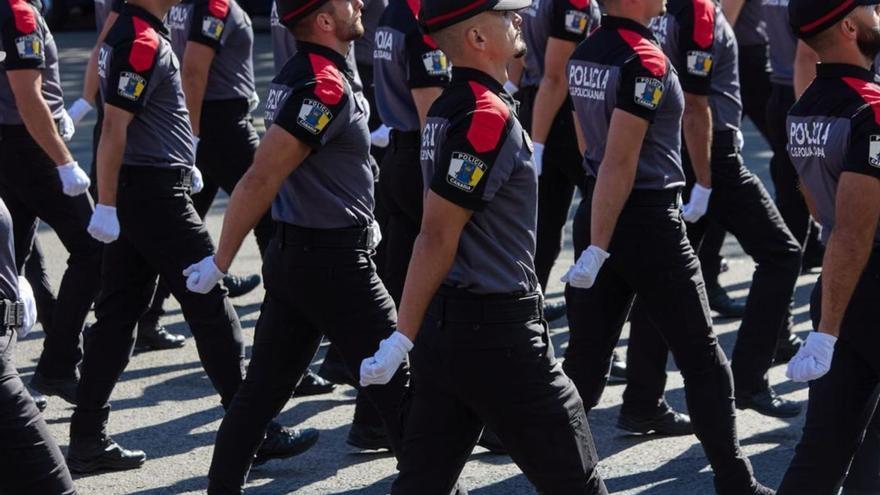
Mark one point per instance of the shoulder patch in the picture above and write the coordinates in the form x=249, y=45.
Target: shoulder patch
x=648, y=92
x=465, y=171
x=699, y=63
x=24, y=16
x=874, y=151
x=488, y=119
x=576, y=21
x=218, y=8
x=313, y=116
x=329, y=88
x=29, y=47
x=144, y=46
x=651, y=55
x=704, y=23
x=868, y=91
x=579, y=4
x=414, y=6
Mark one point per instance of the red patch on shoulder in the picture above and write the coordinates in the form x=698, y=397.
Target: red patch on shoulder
x=651, y=55
x=218, y=8
x=414, y=6
x=329, y=88
x=144, y=46
x=870, y=93
x=488, y=120
x=704, y=23
x=25, y=18
x=579, y=4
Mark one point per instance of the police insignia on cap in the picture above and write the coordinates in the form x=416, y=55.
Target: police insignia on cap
x=575, y=21
x=131, y=85
x=436, y=63
x=465, y=171
x=29, y=47
x=313, y=116
x=874, y=151
x=212, y=27
x=648, y=92
x=699, y=63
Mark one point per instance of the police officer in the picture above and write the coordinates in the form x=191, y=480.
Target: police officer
x=145, y=161
x=40, y=179
x=834, y=147
x=483, y=353
x=630, y=220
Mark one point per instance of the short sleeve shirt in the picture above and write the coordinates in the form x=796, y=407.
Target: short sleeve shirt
x=140, y=74
x=835, y=128
x=783, y=42
x=750, y=28
x=8, y=271
x=621, y=66
x=476, y=154
x=312, y=98
x=404, y=59
x=28, y=44
x=700, y=43
x=568, y=20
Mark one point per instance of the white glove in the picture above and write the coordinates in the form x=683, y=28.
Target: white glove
x=74, y=181
x=79, y=110
x=196, y=144
x=253, y=102
x=583, y=273
x=198, y=182
x=510, y=87
x=377, y=235
x=381, y=367
x=698, y=204
x=26, y=296
x=813, y=360
x=381, y=136
x=538, y=157
x=66, y=127
x=203, y=276
x=104, y=226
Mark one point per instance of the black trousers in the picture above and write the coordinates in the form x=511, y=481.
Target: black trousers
x=31, y=188
x=161, y=235
x=742, y=206
x=317, y=283
x=843, y=401
x=30, y=460
x=652, y=258
x=562, y=171
x=401, y=188
x=489, y=360
x=38, y=277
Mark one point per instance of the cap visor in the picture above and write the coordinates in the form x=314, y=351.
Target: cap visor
x=517, y=4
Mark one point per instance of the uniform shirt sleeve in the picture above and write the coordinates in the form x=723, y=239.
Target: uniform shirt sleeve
x=129, y=80
x=23, y=40
x=696, y=36
x=864, y=150
x=426, y=63
x=571, y=20
x=208, y=23
x=314, y=113
x=116, y=6
x=640, y=91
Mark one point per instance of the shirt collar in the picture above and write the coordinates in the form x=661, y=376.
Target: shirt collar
x=846, y=70
x=325, y=51
x=464, y=74
x=155, y=23
x=612, y=22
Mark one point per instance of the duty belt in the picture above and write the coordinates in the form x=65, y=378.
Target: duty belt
x=19, y=131
x=460, y=306
x=355, y=237
x=406, y=139
x=139, y=175
x=13, y=315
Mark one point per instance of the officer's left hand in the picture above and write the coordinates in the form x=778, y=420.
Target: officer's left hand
x=198, y=182
x=104, y=225
x=66, y=127
x=203, y=276
x=813, y=359
x=381, y=137
x=698, y=204
x=381, y=367
x=538, y=157
x=26, y=296
x=582, y=274
x=376, y=236
x=253, y=102
x=74, y=181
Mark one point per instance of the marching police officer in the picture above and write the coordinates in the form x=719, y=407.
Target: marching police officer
x=631, y=222
x=835, y=147
x=40, y=179
x=146, y=217
x=483, y=352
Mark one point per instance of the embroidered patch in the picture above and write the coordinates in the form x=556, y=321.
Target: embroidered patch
x=131, y=85
x=436, y=63
x=314, y=116
x=575, y=21
x=29, y=47
x=699, y=63
x=465, y=171
x=874, y=151
x=212, y=27
x=648, y=92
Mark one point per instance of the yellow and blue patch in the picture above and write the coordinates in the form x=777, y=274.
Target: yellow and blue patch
x=314, y=116
x=575, y=21
x=29, y=47
x=436, y=63
x=649, y=92
x=212, y=27
x=465, y=171
x=699, y=63
x=131, y=85
x=874, y=151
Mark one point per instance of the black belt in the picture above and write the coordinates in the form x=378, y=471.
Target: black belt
x=644, y=197
x=406, y=139
x=19, y=131
x=725, y=140
x=294, y=235
x=145, y=175
x=461, y=306
x=12, y=314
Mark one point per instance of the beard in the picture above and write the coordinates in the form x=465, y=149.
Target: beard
x=868, y=41
x=349, y=31
x=519, y=46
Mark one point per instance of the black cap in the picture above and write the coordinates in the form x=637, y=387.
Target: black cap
x=810, y=17
x=292, y=11
x=438, y=14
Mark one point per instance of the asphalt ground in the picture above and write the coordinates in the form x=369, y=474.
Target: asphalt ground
x=165, y=405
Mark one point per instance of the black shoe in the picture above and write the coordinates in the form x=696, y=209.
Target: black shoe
x=157, y=338
x=368, y=437
x=334, y=371
x=768, y=403
x=241, y=285
x=490, y=441
x=105, y=454
x=282, y=443
x=59, y=387
x=722, y=304
x=40, y=400
x=312, y=384
x=554, y=311
x=618, y=369
x=667, y=422
x=786, y=348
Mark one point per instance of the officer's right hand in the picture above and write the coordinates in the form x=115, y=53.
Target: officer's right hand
x=582, y=274
x=78, y=110
x=813, y=360
x=381, y=367
x=203, y=276
x=381, y=136
x=104, y=226
x=74, y=181
x=698, y=204
x=198, y=181
x=538, y=157
x=26, y=296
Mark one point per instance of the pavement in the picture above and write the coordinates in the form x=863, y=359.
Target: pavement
x=165, y=405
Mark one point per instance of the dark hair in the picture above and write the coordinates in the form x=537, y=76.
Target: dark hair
x=303, y=28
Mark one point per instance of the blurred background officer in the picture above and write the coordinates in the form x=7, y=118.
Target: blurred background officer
x=471, y=291
x=631, y=218
x=32, y=461
x=40, y=179
x=552, y=29
x=145, y=161
x=314, y=167
x=835, y=147
x=409, y=72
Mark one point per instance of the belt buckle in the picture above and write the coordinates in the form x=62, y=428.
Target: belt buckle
x=13, y=314
x=370, y=236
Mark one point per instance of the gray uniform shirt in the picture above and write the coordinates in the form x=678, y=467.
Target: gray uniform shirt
x=139, y=73
x=783, y=43
x=8, y=272
x=28, y=44
x=750, y=28
x=569, y=20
